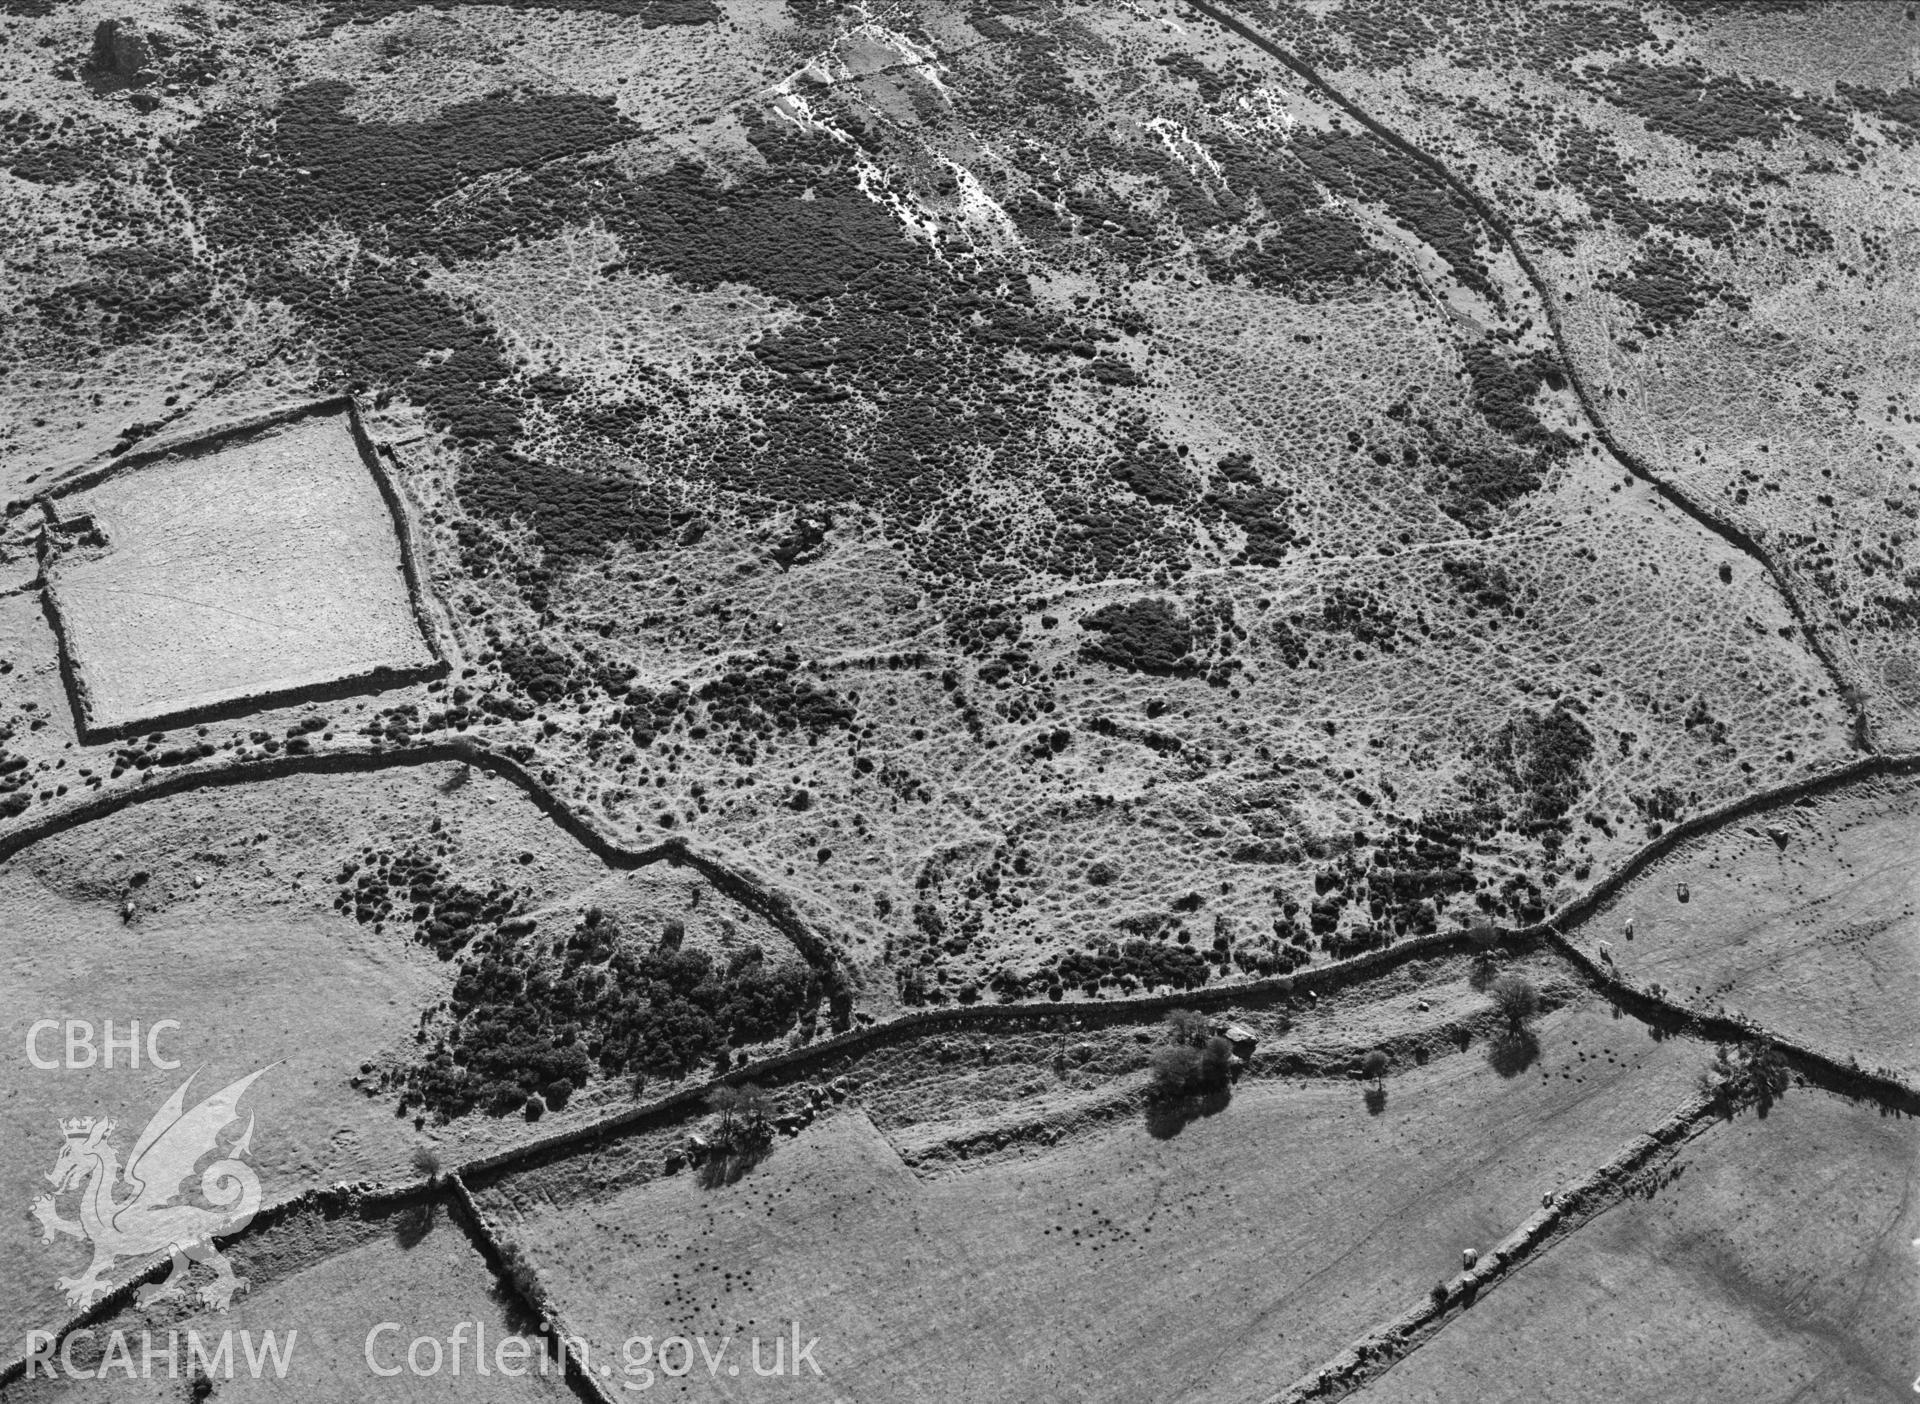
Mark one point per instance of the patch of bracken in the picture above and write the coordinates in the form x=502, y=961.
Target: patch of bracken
x=414, y=886
x=1363, y=167
x=768, y=699
x=1483, y=582
x=544, y=673
x=576, y=515
x=1899, y=107
x=16, y=778
x=1668, y=288
x=1357, y=612
x=1540, y=759
x=1301, y=245
x=1151, y=467
x=648, y=711
x=48, y=152
x=1184, y=65
x=1714, y=111
x=1504, y=388
x=524, y=1014
x=1239, y=495
x=650, y=13
x=1127, y=965
x=130, y=293
x=1147, y=635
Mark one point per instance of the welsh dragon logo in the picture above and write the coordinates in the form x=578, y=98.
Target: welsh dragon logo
x=135, y=1213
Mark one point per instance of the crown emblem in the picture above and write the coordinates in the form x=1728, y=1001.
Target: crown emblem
x=78, y=1126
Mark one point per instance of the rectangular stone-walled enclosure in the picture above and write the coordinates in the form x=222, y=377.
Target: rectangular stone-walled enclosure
x=236, y=572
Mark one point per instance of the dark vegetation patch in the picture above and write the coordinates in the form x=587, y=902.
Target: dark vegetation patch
x=1151, y=467
x=1504, y=388
x=890, y=391
x=544, y=673
x=1361, y=615
x=45, y=151
x=1475, y=481
x=154, y=753
x=651, y=13
x=1362, y=167
x=1148, y=635
x=16, y=776
x=1540, y=760
x=414, y=886
x=1419, y=866
x=526, y=1015
x=1900, y=106
x=130, y=293
x=1484, y=582
x=1591, y=165
x=1472, y=477
x=745, y=705
x=1136, y=963
x=1186, y=66
x=1302, y=245
x=1240, y=496
x=576, y=515
x=1371, y=890
x=648, y=711
x=1548, y=38
x=321, y=165
x=1713, y=111
x=1668, y=287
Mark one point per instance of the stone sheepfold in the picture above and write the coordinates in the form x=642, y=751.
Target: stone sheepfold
x=207, y=582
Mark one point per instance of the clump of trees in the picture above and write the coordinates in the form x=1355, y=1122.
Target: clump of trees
x=742, y=1118
x=740, y=1134
x=1751, y=1074
x=1194, y=1062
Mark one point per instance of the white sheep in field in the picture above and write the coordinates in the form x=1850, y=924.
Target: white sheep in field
x=1627, y=930
x=1469, y=1257
x=1606, y=952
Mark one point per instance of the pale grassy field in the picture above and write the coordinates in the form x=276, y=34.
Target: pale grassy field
x=237, y=942
x=269, y=563
x=1816, y=935
x=330, y=1297
x=1778, y=1266
x=1219, y=1263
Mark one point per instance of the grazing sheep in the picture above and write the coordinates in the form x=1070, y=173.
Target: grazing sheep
x=1606, y=952
x=1469, y=1257
x=1628, y=929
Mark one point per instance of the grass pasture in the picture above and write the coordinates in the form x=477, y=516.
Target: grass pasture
x=262, y=566
x=1806, y=918
x=233, y=936
x=330, y=1284
x=1775, y=1265
x=1220, y=1262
